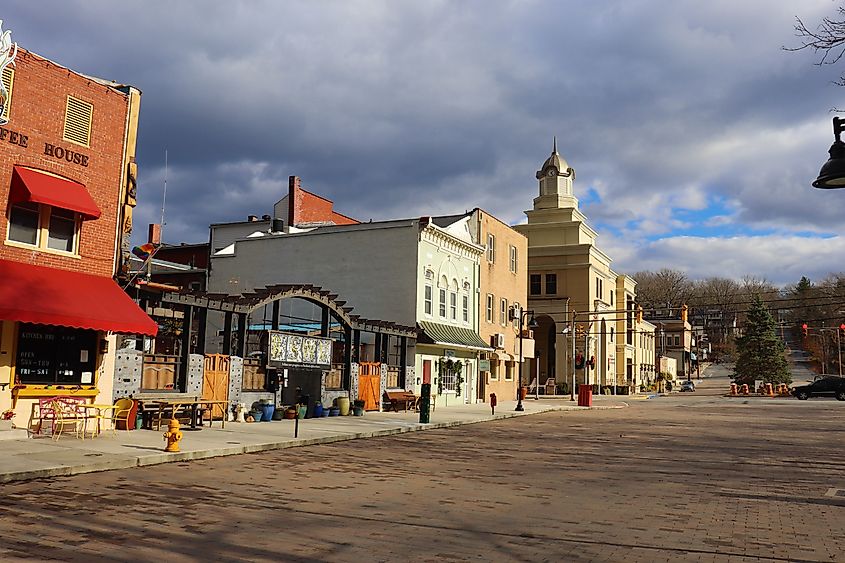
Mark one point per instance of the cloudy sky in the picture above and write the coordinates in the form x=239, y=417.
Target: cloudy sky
x=693, y=134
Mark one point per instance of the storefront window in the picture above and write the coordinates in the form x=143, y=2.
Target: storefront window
x=43, y=226
x=56, y=355
x=23, y=223
x=62, y=230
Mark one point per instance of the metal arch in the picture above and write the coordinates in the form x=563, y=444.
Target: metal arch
x=265, y=296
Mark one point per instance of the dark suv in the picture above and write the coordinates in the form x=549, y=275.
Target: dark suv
x=830, y=386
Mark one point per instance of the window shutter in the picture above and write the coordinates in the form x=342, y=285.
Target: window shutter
x=78, y=122
x=8, y=81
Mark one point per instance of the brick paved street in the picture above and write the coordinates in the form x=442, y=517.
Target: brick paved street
x=692, y=477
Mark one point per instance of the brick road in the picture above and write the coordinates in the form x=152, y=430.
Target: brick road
x=686, y=478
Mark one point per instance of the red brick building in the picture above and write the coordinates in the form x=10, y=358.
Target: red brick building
x=67, y=190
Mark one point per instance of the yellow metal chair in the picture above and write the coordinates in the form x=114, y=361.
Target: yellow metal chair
x=122, y=413
x=67, y=413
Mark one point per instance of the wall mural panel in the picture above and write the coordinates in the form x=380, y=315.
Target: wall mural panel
x=295, y=349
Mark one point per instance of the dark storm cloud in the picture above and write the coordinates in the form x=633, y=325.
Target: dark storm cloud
x=399, y=109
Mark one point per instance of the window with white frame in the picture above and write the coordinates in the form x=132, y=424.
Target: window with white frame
x=490, y=300
x=453, y=305
x=503, y=311
x=491, y=248
x=448, y=377
x=513, y=259
x=551, y=284
x=466, y=307
x=534, y=284
x=429, y=296
x=442, y=303
x=44, y=226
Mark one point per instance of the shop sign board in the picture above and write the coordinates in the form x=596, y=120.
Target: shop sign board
x=299, y=350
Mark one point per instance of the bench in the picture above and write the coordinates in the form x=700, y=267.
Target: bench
x=395, y=399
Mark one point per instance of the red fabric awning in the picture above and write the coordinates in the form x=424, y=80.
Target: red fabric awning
x=42, y=187
x=41, y=295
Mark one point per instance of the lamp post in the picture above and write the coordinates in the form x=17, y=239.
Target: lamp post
x=532, y=324
x=832, y=174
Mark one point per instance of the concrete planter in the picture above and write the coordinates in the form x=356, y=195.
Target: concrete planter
x=5, y=425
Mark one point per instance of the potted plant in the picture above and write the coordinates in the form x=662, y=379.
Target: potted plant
x=318, y=409
x=290, y=413
x=358, y=407
x=267, y=409
x=6, y=419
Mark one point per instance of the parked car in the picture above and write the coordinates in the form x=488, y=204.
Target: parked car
x=829, y=386
x=687, y=386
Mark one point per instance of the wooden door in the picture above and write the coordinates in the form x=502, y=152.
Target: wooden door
x=369, y=384
x=215, y=383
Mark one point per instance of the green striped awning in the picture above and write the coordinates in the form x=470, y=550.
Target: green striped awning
x=446, y=335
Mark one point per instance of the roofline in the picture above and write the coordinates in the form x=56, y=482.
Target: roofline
x=111, y=84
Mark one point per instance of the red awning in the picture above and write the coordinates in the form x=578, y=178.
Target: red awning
x=42, y=187
x=41, y=295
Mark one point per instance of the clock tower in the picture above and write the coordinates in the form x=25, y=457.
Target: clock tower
x=555, y=177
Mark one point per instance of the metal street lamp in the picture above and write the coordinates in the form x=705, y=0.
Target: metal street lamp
x=832, y=174
x=532, y=324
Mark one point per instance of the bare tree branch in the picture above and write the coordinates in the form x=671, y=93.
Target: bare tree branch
x=828, y=38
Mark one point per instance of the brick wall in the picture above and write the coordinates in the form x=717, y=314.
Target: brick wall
x=306, y=207
x=37, y=111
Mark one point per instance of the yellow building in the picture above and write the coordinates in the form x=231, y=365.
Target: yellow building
x=581, y=303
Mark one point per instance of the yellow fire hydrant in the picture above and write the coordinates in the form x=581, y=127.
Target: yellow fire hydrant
x=173, y=435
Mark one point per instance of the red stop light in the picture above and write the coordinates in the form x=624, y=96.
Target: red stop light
x=804, y=329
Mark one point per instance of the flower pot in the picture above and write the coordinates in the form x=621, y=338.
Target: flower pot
x=318, y=410
x=290, y=413
x=358, y=411
x=303, y=410
x=278, y=414
x=267, y=412
x=256, y=415
x=326, y=411
x=343, y=405
x=334, y=411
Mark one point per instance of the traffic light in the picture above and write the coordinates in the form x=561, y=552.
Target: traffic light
x=804, y=330
x=842, y=329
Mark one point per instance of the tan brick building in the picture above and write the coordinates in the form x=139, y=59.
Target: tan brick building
x=503, y=285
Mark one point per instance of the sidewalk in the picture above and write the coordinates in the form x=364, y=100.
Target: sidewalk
x=44, y=457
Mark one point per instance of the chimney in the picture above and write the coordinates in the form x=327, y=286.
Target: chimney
x=294, y=185
x=252, y=218
x=154, y=233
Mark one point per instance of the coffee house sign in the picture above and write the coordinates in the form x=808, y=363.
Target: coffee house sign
x=8, y=52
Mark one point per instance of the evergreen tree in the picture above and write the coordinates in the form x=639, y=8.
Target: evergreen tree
x=760, y=351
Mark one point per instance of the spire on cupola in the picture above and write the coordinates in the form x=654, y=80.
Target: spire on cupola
x=556, y=177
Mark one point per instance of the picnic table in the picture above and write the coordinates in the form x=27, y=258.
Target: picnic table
x=195, y=406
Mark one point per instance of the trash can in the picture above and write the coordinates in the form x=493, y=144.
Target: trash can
x=585, y=396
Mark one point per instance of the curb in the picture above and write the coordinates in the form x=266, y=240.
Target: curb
x=146, y=461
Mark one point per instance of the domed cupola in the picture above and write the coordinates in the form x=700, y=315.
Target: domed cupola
x=555, y=179
x=555, y=165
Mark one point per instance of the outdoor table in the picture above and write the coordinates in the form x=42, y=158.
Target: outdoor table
x=194, y=406
x=99, y=415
